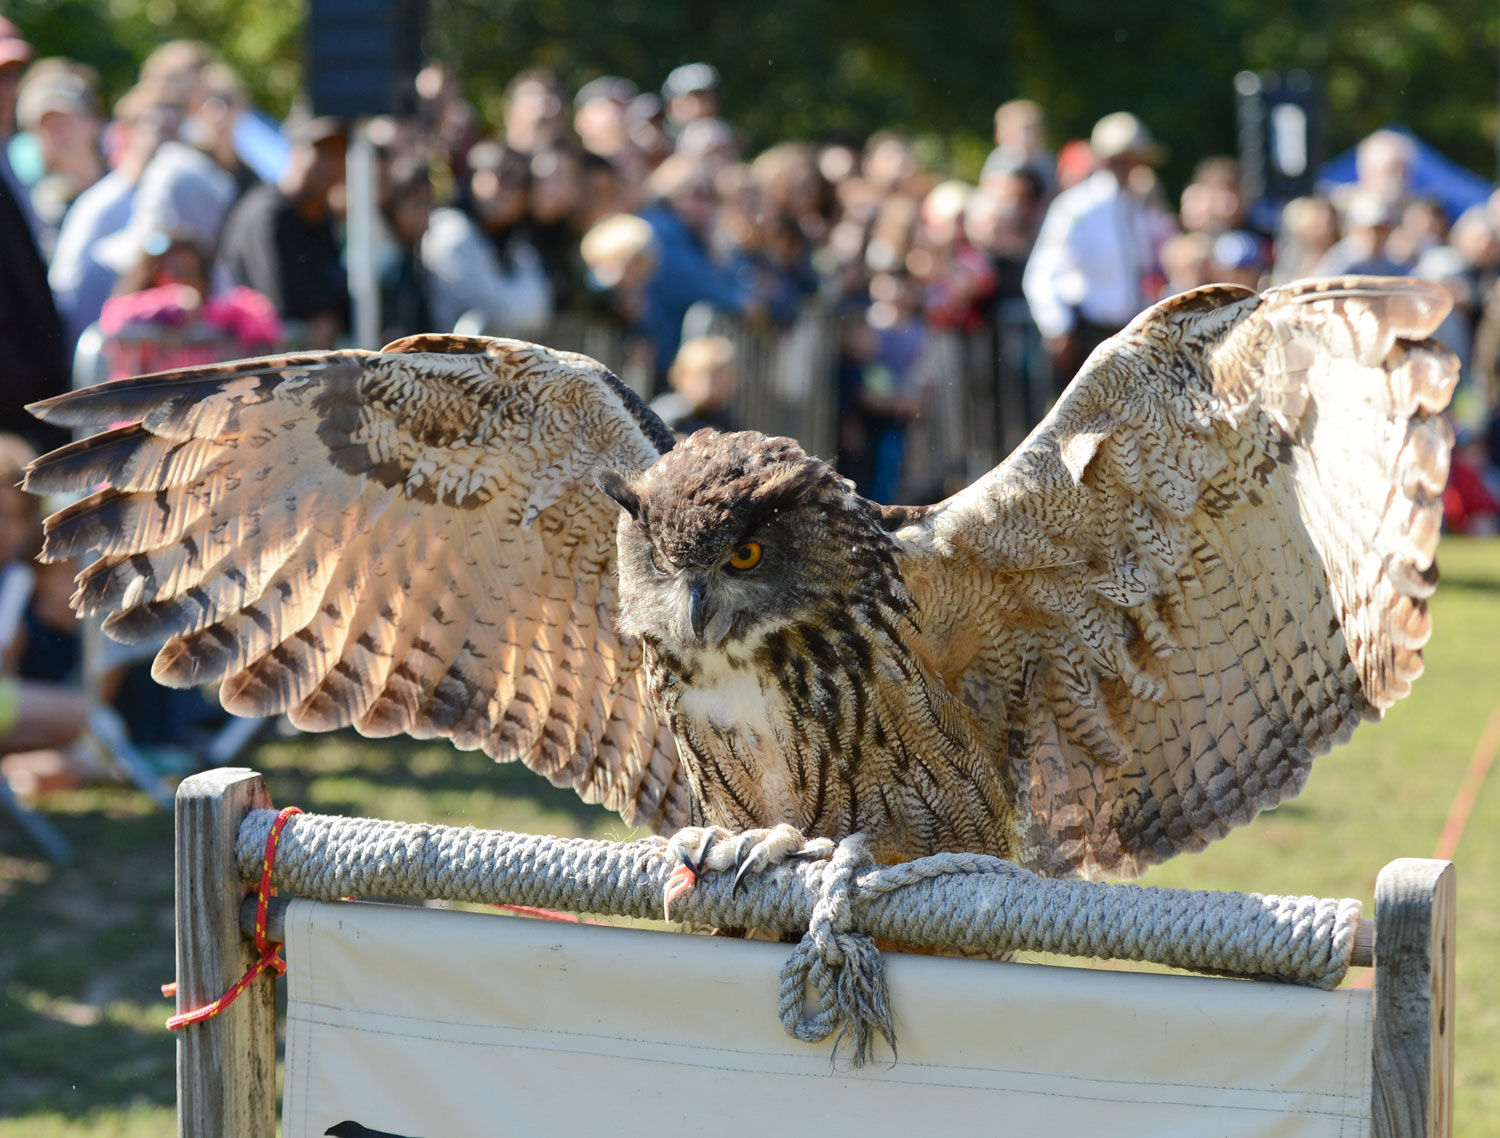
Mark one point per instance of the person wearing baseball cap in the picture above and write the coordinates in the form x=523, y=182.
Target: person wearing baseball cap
x=58, y=107
x=1085, y=278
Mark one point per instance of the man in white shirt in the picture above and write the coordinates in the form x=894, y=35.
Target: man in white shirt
x=1083, y=281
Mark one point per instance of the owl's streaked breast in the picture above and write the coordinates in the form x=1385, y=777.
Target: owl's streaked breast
x=739, y=727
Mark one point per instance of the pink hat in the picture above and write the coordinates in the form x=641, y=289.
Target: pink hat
x=13, y=46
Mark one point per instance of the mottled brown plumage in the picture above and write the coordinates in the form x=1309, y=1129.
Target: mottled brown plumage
x=1205, y=567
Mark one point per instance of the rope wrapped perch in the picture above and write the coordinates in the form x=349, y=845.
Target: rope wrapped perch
x=965, y=901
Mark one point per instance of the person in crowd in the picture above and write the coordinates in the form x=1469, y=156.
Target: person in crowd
x=882, y=384
x=40, y=715
x=1239, y=256
x=691, y=92
x=1213, y=202
x=890, y=165
x=181, y=188
x=1430, y=251
x=221, y=121
x=1383, y=165
x=556, y=193
x=217, y=106
x=167, y=289
x=1021, y=142
x=32, y=340
x=1309, y=229
x=480, y=262
x=646, y=122
x=1369, y=221
x=1076, y=163
x=1084, y=280
x=280, y=239
x=1002, y=220
x=620, y=253
x=960, y=280
x=1187, y=262
x=599, y=121
x=682, y=215
x=536, y=111
x=1470, y=506
x=406, y=209
x=58, y=107
x=793, y=186
x=449, y=126
x=605, y=191
x=15, y=54
x=703, y=378
x=144, y=118
x=1422, y=228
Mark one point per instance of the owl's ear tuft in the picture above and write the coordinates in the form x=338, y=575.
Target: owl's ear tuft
x=618, y=487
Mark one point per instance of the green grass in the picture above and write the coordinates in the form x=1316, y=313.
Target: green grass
x=83, y=948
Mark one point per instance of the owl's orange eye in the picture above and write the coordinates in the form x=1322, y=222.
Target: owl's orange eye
x=746, y=556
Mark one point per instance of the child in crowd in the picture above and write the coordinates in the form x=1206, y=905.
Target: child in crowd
x=703, y=380
x=620, y=254
x=167, y=290
x=882, y=386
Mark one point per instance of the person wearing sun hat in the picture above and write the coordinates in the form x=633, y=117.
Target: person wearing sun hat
x=1084, y=280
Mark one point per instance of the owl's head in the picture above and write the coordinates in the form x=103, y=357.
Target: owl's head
x=731, y=535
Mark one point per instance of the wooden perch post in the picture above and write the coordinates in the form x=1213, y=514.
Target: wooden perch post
x=226, y=1066
x=1415, y=910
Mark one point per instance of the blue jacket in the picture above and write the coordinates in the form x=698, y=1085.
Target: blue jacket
x=685, y=274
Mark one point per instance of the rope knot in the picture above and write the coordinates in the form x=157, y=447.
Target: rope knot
x=843, y=967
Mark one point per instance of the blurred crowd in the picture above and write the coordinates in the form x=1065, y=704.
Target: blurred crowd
x=177, y=224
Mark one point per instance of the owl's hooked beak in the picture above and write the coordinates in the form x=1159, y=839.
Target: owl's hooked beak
x=699, y=608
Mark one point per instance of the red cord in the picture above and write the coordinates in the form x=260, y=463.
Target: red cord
x=270, y=951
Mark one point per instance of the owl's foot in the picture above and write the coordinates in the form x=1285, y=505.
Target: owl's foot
x=699, y=849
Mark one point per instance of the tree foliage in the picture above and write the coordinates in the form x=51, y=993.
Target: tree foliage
x=937, y=68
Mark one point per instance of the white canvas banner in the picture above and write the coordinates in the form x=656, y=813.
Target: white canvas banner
x=436, y=1024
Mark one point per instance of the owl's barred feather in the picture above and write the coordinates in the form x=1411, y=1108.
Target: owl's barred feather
x=1206, y=566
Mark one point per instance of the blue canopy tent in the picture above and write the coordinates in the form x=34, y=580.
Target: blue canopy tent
x=1433, y=175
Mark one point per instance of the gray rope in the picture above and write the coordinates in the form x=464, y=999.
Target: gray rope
x=842, y=966
x=968, y=902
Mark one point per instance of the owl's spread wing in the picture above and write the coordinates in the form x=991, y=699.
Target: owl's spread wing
x=1204, y=568
x=405, y=541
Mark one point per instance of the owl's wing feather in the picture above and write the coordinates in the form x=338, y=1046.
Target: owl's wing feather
x=1203, y=568
x=405, y=541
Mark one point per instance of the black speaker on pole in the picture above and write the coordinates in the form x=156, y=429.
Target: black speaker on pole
x=363, y=56
x=1281, y=133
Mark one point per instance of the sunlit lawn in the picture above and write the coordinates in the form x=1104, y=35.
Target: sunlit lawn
x=84, y=948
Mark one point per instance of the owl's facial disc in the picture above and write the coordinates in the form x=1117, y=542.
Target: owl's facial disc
x=716, y=540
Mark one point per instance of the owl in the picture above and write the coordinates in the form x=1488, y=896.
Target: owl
x=1206, y=566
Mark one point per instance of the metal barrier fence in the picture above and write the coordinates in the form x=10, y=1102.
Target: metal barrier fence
x=988, y=388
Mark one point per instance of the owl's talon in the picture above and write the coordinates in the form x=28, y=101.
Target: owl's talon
x=743, y=865
x=700, y=849
x=690, y=847
x=815, y=849
x=683, y=879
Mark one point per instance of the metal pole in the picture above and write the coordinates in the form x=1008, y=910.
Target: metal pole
x=364, y=283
